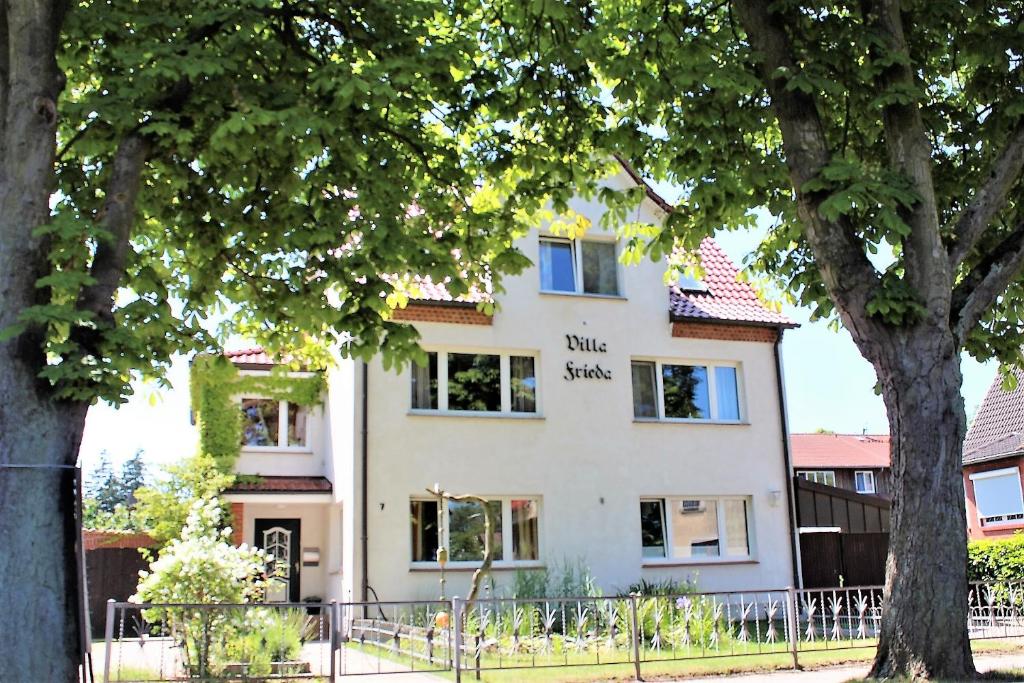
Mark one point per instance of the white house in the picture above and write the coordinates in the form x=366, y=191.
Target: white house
x=612, y=421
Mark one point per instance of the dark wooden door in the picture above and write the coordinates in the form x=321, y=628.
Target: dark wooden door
x=280, y=537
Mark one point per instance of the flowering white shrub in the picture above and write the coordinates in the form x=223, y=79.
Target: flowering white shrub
x=203, y=567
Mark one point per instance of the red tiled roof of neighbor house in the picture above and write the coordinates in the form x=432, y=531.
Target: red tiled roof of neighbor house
x=998, y=428
x=839, y=450
x=276, y=484
x=727, y=299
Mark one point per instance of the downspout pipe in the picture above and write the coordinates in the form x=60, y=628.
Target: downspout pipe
x=794, y=545
x=364, y=486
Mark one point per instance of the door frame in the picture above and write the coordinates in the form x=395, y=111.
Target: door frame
x=293, y=525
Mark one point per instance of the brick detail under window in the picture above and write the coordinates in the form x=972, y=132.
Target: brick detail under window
x=725, y=332
x=237, y=522
x=427, y=313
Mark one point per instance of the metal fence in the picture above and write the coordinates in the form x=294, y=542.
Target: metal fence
x=232, y=642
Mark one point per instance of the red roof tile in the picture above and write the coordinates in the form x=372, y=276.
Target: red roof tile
x=998, y=428
x=275, y=484
x=253, y=356
x=839, y=450
x=727, y=298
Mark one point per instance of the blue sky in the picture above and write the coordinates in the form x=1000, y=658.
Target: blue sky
x=828, y=385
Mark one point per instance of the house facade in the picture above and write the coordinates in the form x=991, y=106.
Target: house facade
x=613, y=423
x=993, y=461
x=854, y=462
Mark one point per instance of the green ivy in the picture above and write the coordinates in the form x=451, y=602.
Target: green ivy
x=215, y=386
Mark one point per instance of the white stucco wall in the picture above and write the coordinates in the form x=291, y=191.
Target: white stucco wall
x=583, y=455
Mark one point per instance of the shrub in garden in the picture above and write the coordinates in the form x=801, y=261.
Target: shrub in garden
x=997, y=560
x=202, y=566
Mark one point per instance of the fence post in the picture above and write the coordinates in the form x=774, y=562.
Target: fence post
x=635, y=623
x=793, y=624
x=457, y=604
x=334, y=637
x=108, y=636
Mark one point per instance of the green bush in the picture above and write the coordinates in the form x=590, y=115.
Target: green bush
x=996, y=561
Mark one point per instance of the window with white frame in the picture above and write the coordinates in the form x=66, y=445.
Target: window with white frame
x=864, y=481
x=997, y=494
x=695, y=528
x=678, y=391
x=269, y=423
x=579, y=266
x=462, y=530
x=827, y=477
x=475, y=383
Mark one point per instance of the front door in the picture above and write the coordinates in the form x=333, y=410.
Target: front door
x=280, y=538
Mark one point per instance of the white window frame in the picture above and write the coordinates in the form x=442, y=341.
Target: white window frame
x=816, y=475
x=506, y=535
x=868, y=476
x=1004, y=518
x=577, y=266
x=710, y=366
x=723, y=543
x=282, y=427
x=505, y=368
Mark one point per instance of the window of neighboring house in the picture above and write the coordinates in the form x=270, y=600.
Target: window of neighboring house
x=997, y=494
x=864, y=481
x=517, y=535
x=268, y=423
x=685, y=392
x=827, y=477
x=579, y=266
x=695, y=528
x=475, y=383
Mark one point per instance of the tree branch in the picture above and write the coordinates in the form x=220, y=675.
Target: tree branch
x=116, y=218
x=977, y=292
x=925, y=261
x=848, y=275
x=989, y=199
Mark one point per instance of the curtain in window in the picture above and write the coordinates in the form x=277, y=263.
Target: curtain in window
x=296, y=425
x=600, y=269
x=727, y=394
x=736, y=534
x=524, y=384
x=645, y=402
x=424, y=384
x=525, y=535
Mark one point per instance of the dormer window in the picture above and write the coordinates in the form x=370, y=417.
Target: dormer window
x=578, y=266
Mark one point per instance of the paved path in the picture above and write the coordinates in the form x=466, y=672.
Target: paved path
x=841, y=674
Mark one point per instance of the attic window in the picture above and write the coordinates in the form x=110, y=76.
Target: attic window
x=579, y=266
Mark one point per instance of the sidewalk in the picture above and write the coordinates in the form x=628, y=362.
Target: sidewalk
x=841, y=674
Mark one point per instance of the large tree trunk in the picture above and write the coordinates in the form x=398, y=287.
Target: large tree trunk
x=924, y=624
x=39, y=437
x=39, y=626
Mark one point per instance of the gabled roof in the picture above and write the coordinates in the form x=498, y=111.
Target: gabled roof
x=827, y=451
x=727, y=298
x=998, y=428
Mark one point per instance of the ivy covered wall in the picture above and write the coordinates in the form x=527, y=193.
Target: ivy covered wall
x=216, y=384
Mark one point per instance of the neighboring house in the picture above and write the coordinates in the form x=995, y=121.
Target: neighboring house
x=855, y=462
x=613, y=422
x=993, y=460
